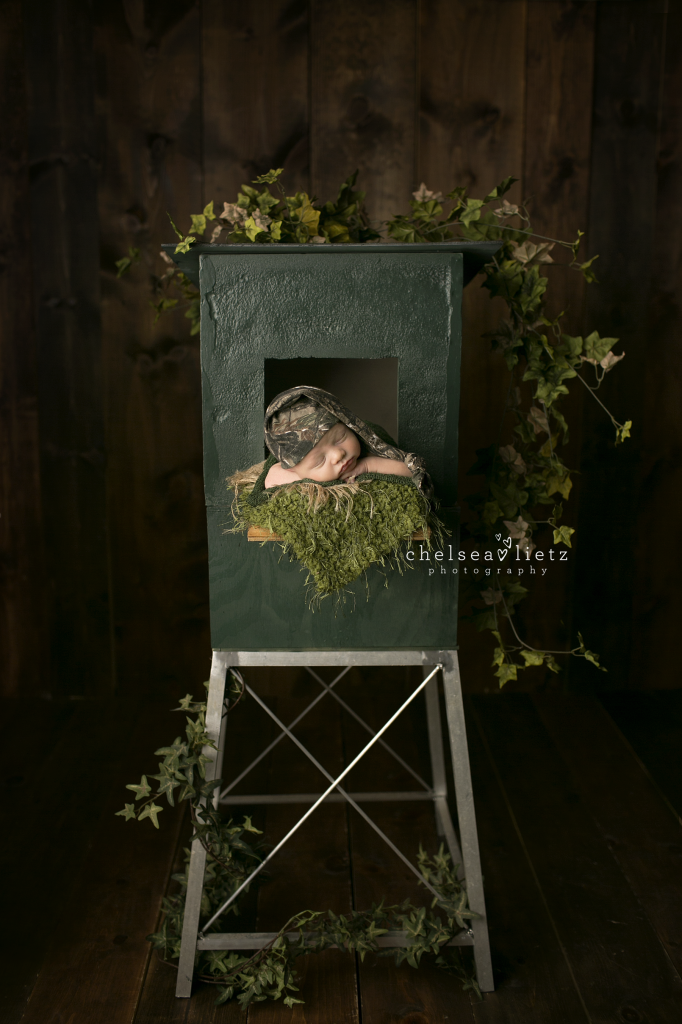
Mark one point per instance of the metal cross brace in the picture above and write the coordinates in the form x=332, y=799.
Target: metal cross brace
x=334, y=784
x=327, y=688
x=469, y=858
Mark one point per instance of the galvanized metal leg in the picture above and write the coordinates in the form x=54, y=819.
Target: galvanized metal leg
x=215, y=727
x=444, y=824
x=452, y=686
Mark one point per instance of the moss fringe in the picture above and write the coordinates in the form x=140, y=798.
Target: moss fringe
x=336, y=530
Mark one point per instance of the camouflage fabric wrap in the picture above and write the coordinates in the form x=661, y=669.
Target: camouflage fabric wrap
x=297, y=418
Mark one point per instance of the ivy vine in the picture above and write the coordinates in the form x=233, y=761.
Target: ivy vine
x=520, y=476
x=270, y=972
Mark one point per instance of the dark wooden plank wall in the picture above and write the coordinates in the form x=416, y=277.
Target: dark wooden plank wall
x=64, y=179
x=123, y=111
x=21, y=561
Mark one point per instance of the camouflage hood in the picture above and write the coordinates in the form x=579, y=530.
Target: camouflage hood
x=298, y=418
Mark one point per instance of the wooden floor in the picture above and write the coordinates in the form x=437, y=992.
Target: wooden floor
x=578, y=804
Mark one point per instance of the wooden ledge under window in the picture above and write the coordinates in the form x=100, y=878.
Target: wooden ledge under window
x=259, y=533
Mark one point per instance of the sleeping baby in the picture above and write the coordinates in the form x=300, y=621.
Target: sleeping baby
x=314, y=437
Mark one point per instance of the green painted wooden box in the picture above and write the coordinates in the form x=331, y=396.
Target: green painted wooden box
x=380, y=326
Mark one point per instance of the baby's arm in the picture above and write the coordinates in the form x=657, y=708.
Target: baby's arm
x=278, y=475
x=374, y=464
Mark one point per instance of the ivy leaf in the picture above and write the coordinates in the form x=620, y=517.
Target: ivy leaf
x=506, y=210
x=549, y=447
x=562, y=535
x=517, y=529
x=498, y=656
x=266, y=201
x=186, y=244
x=172, y=754
x=499, y=190
x=186, y=704
x=224, y=995
x=186, y=792
x=471, y=212
x=207, y=789
x=198, y=223
x=303, y=213
x=505, y=673
x=208, y=211
x=151, y=811
x=529, y=252
x=623, y=432
x=610, y=360
x=178, y=233
x=571, y=346
x=559, y=482
x=270, y=177
x=538, y=420
x=587, y=271
x=164, y=306
x=125, y=264
x=423, y=194
x=128, y=812
x=166, y=786
x=590, y=655
x=491, y=512
x=595, y=348
x=532, y=658
x=402, y=232
x=143, y=790
x=233, y=213
x=483, y=619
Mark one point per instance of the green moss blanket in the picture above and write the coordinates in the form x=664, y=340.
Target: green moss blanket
x=338, y=530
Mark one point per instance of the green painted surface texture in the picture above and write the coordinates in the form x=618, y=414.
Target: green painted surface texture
x=362, y=305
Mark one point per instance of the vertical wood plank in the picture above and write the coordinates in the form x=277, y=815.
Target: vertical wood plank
x=533, y=979
x=255, y=94
x=312, y=871
x=639, y=829
x=363, y=71
x=621, y=231
x=652, y=725
x=619, y=965
x=656, y=589
x=149, y=103
x=63, y=156
x=471, y=106
x=388, y=991
x=471, y=132
x=559, y=79
x=21, y=566
x=98, y=950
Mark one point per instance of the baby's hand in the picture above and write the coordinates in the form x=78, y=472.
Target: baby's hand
x=359, y=468
x=375, y=464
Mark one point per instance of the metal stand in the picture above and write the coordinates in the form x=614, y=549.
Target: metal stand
x=468, y=857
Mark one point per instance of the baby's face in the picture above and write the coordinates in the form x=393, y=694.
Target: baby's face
x=335, y=454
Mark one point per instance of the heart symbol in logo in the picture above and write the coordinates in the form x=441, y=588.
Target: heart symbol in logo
x=502, y=553
x=497, y=536
x=507, y=542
